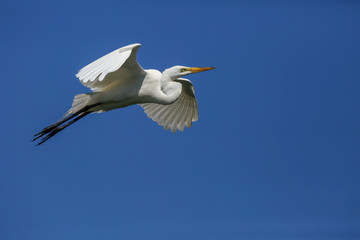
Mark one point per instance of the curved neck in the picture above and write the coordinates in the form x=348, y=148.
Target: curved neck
x=171, y=90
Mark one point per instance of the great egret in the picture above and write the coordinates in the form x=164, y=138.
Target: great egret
x=117, y=80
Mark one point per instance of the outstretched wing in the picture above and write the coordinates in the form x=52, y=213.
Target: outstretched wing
x=115, y=66
x=175, y=116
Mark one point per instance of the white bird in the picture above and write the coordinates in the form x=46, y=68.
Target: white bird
x=117, y=80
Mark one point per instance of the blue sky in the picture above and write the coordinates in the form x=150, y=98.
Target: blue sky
x=274, y=155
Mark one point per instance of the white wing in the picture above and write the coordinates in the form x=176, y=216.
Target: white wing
x=175, y=116
x=112, y=67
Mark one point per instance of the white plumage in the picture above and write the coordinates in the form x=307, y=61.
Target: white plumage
x=93, y=75
x=176, y=115
x=117, y=80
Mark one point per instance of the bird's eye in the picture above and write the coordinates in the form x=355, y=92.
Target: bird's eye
x=183, y=69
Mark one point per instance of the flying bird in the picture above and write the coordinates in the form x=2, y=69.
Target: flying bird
x=117, y=80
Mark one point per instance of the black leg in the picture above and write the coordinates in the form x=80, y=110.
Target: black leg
x=57, y=129
x=57, y=124
x=52, y=126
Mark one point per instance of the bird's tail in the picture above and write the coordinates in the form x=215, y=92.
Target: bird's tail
x=80, y=101
x=80, y=108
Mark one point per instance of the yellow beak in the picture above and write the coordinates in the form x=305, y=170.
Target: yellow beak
x=196, y=69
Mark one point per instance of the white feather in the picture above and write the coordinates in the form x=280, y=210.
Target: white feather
x=96, y=75
x=176, y=115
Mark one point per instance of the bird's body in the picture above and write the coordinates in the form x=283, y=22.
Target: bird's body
x=124, y=93
x=118, y=81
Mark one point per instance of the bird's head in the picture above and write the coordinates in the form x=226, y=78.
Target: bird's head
x=179, y=71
